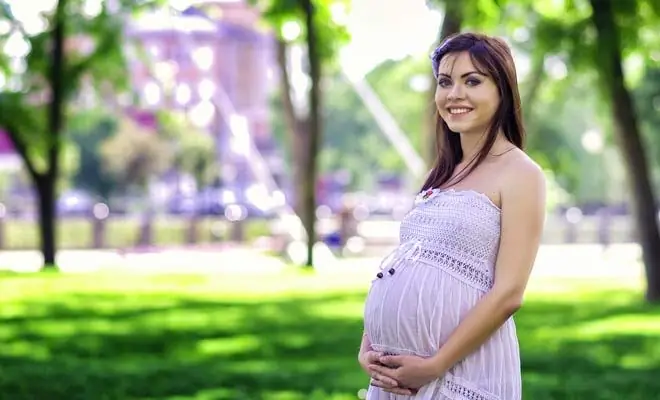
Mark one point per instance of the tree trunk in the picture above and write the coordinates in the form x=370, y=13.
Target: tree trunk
x=451, y=24
x=303, y=133
x=46, y=185
x=297, y=135
x=314, y=130
x=46, y=192
x=629, y=140
x=301, y=155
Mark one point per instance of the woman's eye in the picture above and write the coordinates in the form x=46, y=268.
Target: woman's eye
x=444, y=83
x=472, y=82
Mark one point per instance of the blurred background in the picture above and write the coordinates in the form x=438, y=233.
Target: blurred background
x=194, y=195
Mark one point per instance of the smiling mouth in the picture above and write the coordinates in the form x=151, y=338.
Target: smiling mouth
x=459, y=111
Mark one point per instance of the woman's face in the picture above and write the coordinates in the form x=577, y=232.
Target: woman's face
x=466, y=99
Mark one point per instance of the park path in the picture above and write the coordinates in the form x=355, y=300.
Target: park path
x=621, y=261
x=226, y=260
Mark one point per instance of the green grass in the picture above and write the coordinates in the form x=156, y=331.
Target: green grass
x=120, y=232
x=291, y=337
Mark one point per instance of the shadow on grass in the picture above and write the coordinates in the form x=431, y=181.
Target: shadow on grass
x=602, y=347
x=191, y=345
x=249, y=350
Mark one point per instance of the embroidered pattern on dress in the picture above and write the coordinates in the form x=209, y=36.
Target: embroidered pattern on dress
x=466, y=270
x=456, y=231
x=457, y=391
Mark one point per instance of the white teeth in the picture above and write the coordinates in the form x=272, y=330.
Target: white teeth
x=459, y=110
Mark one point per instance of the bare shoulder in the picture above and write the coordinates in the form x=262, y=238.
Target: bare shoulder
x=522, y=176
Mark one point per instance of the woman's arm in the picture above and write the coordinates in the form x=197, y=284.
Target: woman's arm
x=523, y=216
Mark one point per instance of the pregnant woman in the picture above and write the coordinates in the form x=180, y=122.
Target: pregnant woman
x=438, y=316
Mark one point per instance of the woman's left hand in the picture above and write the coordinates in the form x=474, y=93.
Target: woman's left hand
x=409, y=371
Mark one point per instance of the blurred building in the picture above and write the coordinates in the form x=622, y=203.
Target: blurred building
x=213, y=61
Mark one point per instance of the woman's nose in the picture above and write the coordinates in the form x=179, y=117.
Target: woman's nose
x=455, y=93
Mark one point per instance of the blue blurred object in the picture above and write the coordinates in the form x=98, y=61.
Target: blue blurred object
x=254, y=199
x=333, y=240
x=75, y=202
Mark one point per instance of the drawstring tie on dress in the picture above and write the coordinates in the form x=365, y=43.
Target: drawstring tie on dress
x=406, y=251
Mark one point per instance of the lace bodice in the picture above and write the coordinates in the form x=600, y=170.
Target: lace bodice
x=459, y=230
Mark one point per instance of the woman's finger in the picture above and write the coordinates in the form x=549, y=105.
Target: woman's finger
x=383, y=381
x=386, y=374
x=373, y=357
x=384, y=378
x=389, y=388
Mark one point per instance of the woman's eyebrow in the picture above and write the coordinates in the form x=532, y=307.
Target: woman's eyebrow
x=464, y=75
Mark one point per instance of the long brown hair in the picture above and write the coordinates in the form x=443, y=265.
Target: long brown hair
x=492, y=57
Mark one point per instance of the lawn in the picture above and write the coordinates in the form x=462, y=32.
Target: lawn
x=291, y=337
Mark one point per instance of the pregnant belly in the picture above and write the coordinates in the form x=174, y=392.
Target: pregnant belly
x=415, y=310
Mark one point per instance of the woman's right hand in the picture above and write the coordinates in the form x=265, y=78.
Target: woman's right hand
x=388, y=384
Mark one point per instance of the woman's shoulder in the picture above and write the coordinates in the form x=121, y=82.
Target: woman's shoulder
x=521, y=163
x=522, y=175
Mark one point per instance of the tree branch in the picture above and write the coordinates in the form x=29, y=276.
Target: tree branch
x=21, y=149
